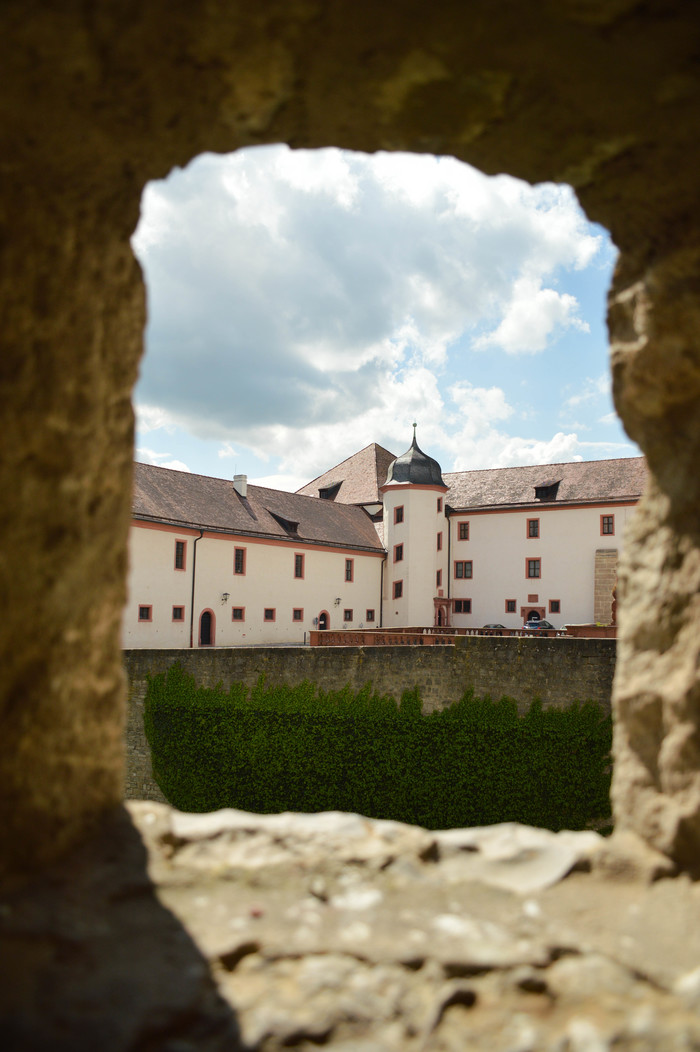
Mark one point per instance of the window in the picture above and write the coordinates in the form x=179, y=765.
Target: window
x=398, y=589
x=463, y=529
x=238, y=613
x=180, y=547
x=297, y=614
x=439, y=504
x=463, y=568
x=533, y=567
x=145, y=613
x=555, y=606
x=369, y=616
x=349, y=569
x=398, y=514
x=511, y=606
x=269, y=614
x=398, y=553
x=463, y=606
x=439, y=542
x=533, y=527
x=239, y=560
x=438, y=579
x=347, y=615
x=178, y=613
x=607, y=525
x=298, y=565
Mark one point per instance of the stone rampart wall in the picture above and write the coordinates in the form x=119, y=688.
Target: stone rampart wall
x=558, y=671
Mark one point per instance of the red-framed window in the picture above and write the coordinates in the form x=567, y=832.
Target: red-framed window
x=369, y=615
x=463, y=531
x=555, y=606
x=398, y=514
x=607, y=525
x=178, y=613
x=398, y=553
x=298, y=565
x=145, y=613
x=511, y=606
x=439, y=504
x=463, y=568
x=347, y=614
x=349, y=570
x=463, y=606
x=269, y=614
x=533, y=568
x=438, y=579
x=439, y=542
x=533, y=528
x=298, y=613
x=238, y=613
x=239, y=560
x=398, y=589
x=180, y=555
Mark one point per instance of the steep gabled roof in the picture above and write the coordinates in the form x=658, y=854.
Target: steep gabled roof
x=357, y=479
x=590, y=481
x=184, y=499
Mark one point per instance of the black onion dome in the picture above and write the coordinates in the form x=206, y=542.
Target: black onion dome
x=416, y=467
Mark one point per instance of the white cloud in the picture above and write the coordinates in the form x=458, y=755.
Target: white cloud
x=161, y=460
x=592, y=390
x=531, y=318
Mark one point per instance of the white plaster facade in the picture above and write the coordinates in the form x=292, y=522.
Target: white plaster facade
x=215, y=564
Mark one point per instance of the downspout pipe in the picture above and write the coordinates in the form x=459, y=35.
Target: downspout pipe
x=194, y=567
x=381, y=593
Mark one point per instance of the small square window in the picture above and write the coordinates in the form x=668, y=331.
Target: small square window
x=533, y=527
x=463, y=568
x=438, y=579
x=297, y=614
x=439, y=542
x=398, y=589
x=239, y=561
x=349, y=569
x=145, y=613
x=180, y=547
x=511, y=606
x=463, y=531
x=607, y=525
x=269, y=613
x=369, y=616
x=238, y=613
x=533, y=567
x=398, y=514
x=347, y=615
x=398, y=553
x=298, y=565
x=463, y=606
x=178, y=613
x=555, y=606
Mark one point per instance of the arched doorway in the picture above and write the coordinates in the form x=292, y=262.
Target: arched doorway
x=207, y=628
x=323, y=621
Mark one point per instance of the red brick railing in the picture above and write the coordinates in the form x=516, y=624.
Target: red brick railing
x=415, y=637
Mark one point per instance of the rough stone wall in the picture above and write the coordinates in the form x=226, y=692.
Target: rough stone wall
x=558, y=671
x=605, y=578
x=604, y=95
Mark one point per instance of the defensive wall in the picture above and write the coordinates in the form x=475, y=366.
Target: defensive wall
x=558, y=671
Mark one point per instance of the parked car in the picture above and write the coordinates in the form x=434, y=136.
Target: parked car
x=494, y=626
x=535, y=626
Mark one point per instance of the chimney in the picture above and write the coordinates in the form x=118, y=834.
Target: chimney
x=240, y=484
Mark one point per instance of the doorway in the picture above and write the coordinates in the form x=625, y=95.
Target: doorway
x=323, y=621
x=206, y=629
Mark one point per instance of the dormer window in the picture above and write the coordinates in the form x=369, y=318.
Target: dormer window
x=329, y=492
x=287, y=525
x=548, y=491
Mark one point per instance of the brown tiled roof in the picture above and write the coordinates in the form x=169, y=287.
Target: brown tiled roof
x=181, y=498
x=360, y=477
x=590, y=481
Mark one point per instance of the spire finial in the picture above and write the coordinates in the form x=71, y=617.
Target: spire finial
x=414, y=430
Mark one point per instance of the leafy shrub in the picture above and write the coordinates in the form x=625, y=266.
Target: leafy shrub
x=300, y=748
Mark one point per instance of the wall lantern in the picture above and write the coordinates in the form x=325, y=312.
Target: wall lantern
x=224, y=597
x=337, y=601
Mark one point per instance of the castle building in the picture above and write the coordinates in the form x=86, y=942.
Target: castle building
x=376, y=541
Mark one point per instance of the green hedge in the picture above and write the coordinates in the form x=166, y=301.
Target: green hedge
x=302, y=749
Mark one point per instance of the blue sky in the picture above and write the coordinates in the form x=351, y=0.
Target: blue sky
x=305, y=303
